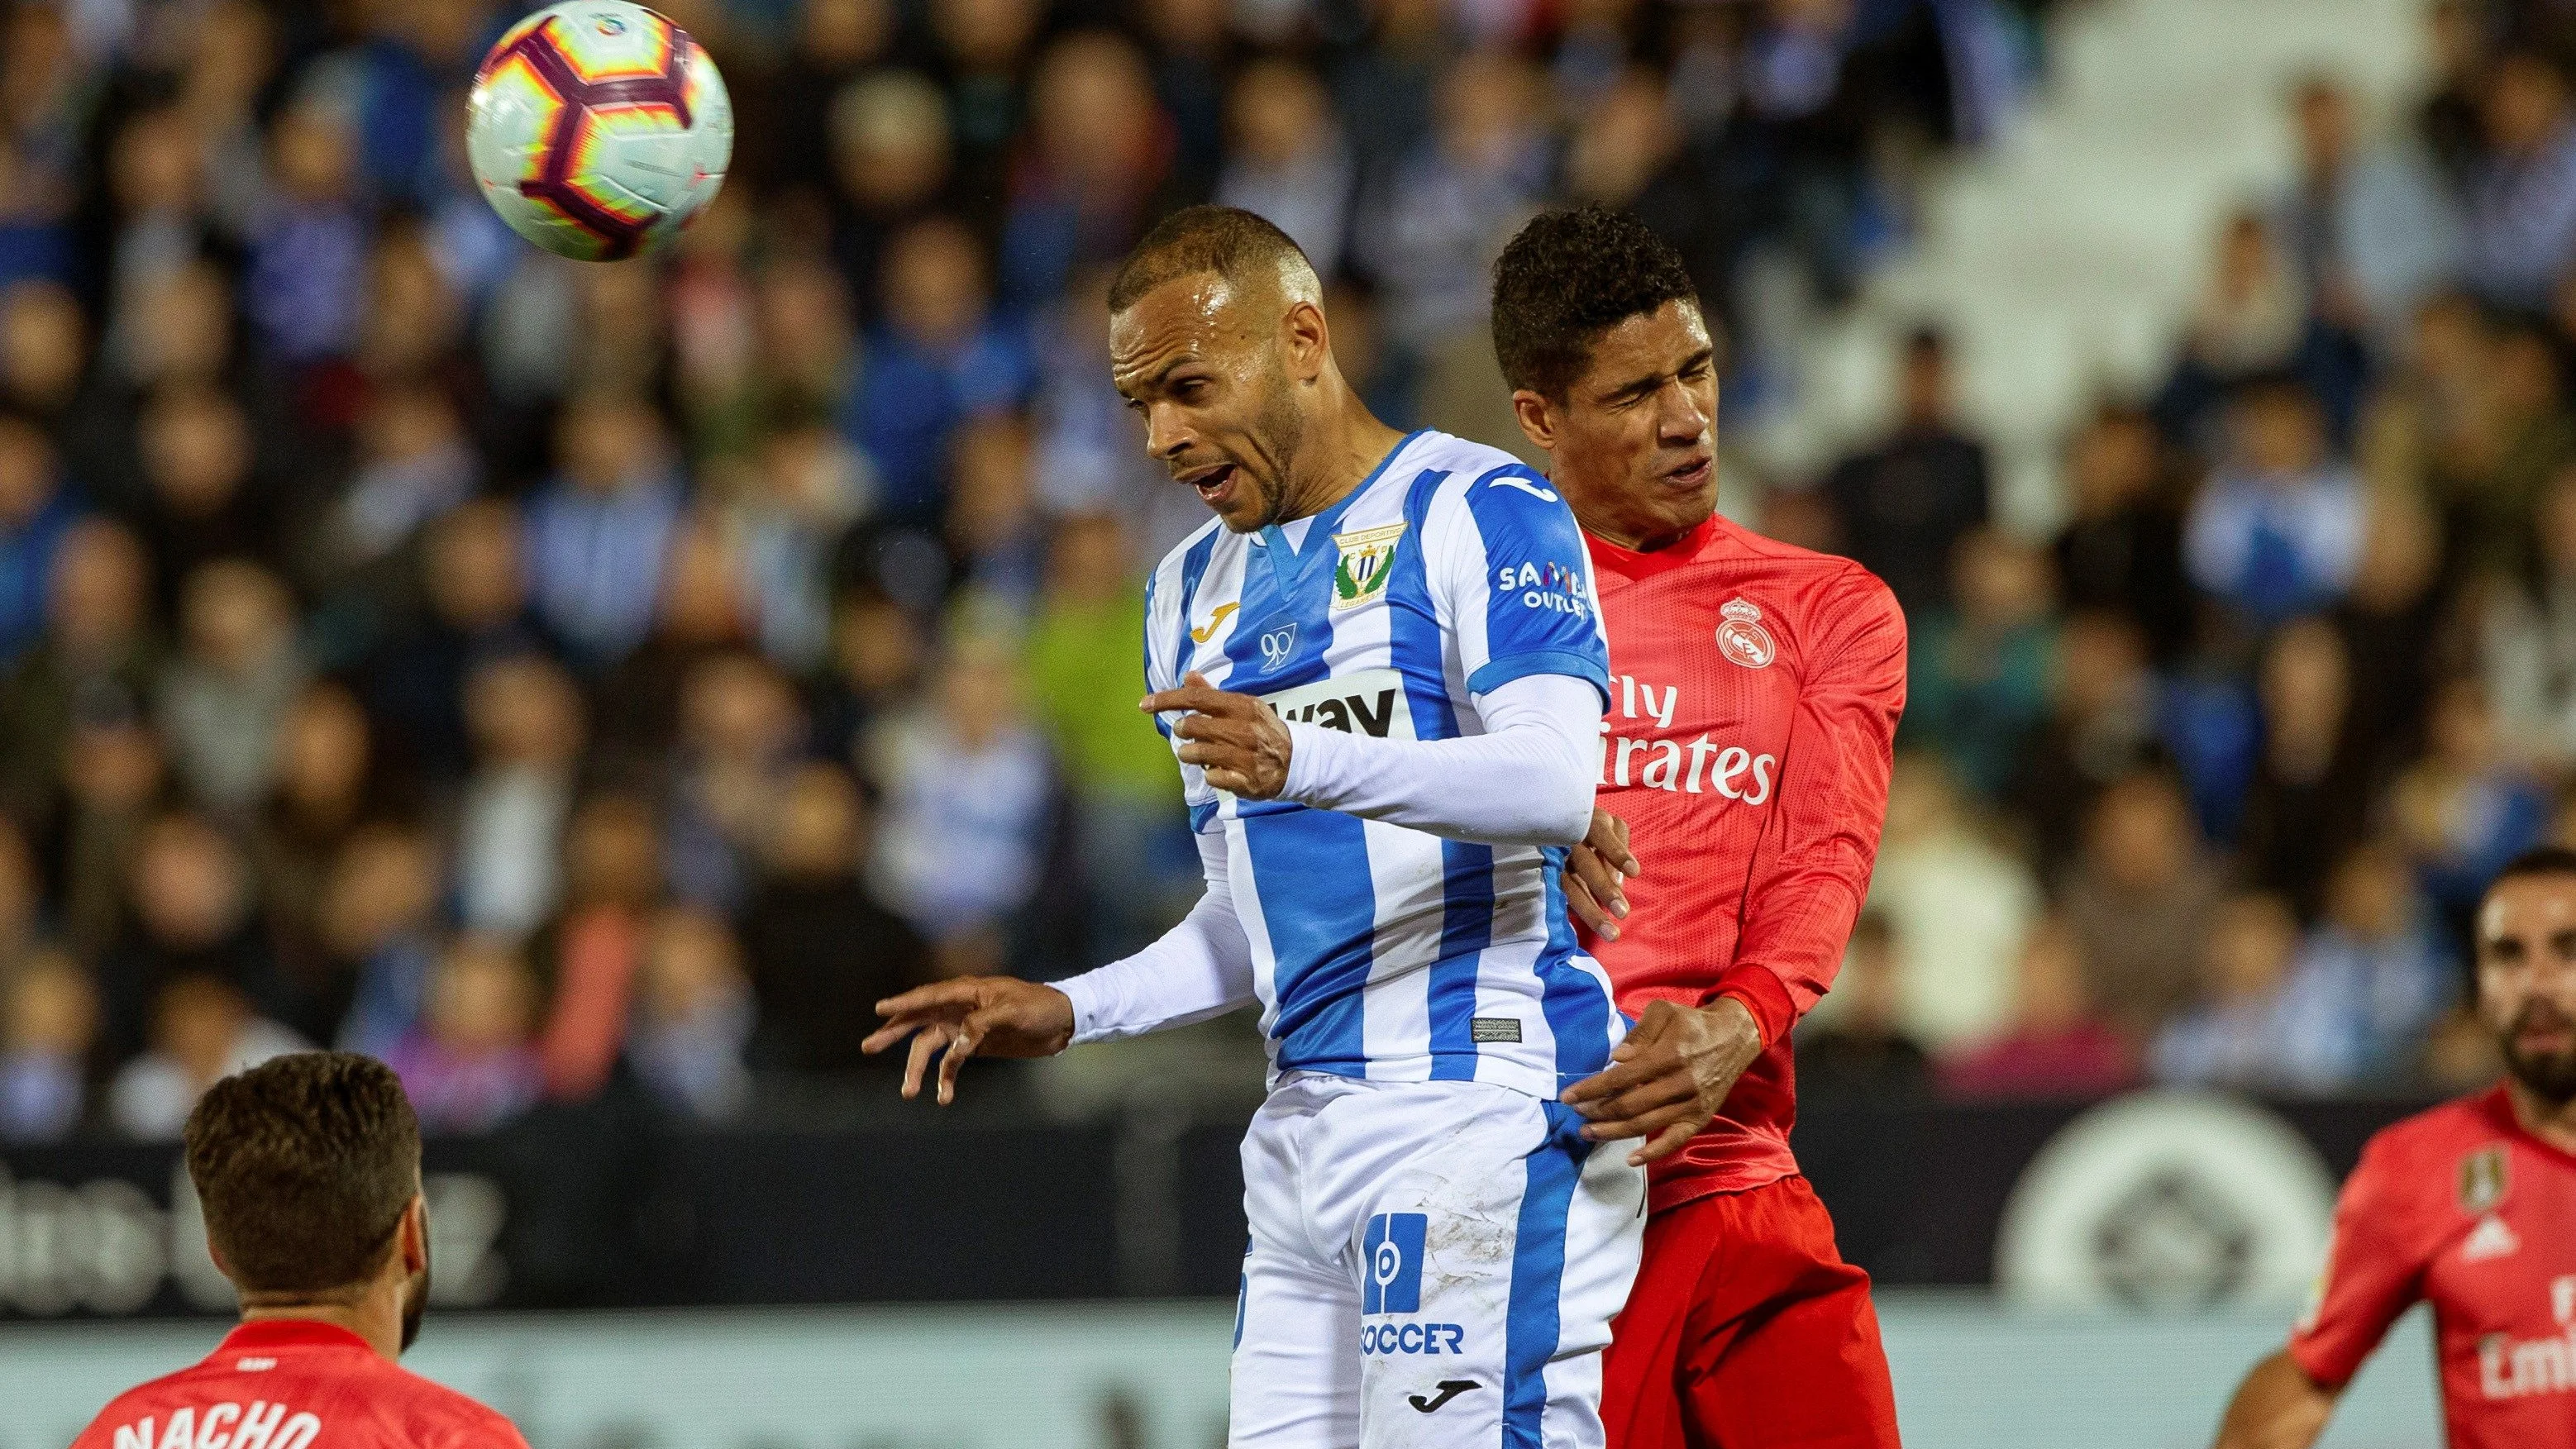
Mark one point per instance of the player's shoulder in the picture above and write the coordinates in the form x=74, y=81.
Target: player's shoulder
x=144, y=1400
x=439, y=1417
x=1823, y=575
x=2441, y=1154
x=1191, y=552
x=1459, y=469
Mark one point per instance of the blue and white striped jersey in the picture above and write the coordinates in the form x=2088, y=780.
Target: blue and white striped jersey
x=1381, y=951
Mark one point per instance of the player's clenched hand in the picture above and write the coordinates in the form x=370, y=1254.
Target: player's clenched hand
x=1237, y=739
x=1669, y=1077
x=1593, y=871
x=997, y=1016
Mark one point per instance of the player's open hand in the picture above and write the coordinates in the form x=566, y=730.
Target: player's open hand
x=1593, y=871
x=1238, y=740
x=1669, y=1077
x=994, y=1016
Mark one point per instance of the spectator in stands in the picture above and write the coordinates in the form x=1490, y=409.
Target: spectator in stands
x=415, y=464
x=1289, y=161
x=470, y=1066
x=114, y=777
x=97, y=646
x=380, y=904
x=2248, y=323
x=48, y=1026
x=2517, y=436
x=590, y=953
x=808, y=485
x=597, y=532
x=1902, y=507
x=2394, y=626
x=700, y=616
x=477, y=613
x=2310, y=798
x=2527, y=641
x=2464, y=809
x=2244, y=1032
x=820, y=950
x=2277, y=530
x=2057, y=1045
x=1097, y=155
x=2522, y=199
x=2372, y=977
x=1977, y=671
x=2370, y=227
x=1863, y=1054
x=1193, y=49
x=891, y=156
x=2428, y=409
x=1956, y=906
x=993, y=526
x=741, y=728
x=2122, y=551
x=223, y=700
x=1429, y=230
x=204, y=501
x=969, y=796
x=36, y=510
x=944, y=355
x=2447, y=120
x=2139, y=901
x=2102, y=725
x=526, y=721
x=203, y=1030
x=190, y=912
x=878, y=651
x=693, y=1016
x=1085, y=675
x=326, y=781
x=309, y=248
x=805, y=95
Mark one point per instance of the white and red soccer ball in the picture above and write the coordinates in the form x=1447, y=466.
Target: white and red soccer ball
x=599, y=128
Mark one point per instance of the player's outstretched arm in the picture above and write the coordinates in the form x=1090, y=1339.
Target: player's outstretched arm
x=999, y=1016
x=2277, y=1407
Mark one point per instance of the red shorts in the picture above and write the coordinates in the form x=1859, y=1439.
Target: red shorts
x=1747, y=1329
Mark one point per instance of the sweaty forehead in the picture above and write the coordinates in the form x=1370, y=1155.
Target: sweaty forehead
x=1196, y=315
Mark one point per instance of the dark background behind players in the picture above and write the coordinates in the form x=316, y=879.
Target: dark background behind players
x=517, y=669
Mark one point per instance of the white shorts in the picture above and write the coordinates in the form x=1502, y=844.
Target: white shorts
x=1432, y=1264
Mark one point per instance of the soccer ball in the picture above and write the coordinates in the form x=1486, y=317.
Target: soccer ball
x=598, y=129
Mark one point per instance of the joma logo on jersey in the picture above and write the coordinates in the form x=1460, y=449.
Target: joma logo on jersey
x=1393, y=1255
x=1367, y=559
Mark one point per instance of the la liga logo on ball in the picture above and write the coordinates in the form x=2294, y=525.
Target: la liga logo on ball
x=598, y=129
x=1742, y=638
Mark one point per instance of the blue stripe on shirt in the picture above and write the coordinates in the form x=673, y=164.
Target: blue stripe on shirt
x=1310, y=869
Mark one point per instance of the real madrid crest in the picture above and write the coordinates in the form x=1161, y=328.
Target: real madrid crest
x=2482, y=1179
x=1741, y=636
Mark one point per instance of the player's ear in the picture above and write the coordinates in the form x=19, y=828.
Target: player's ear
x=1305, y=340
x=411, y=1240
x=1537, y=420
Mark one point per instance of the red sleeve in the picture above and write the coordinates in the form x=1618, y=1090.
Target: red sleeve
x=1811, y=869
x=2373, y=1273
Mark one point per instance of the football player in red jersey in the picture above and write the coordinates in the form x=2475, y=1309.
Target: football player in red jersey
x=2470, y=1206
x=1755, y=694
x=308, y=1168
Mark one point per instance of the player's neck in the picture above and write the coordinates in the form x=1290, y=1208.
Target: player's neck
x=376, y=1317
x=2551, y=1122
x=1347, y=443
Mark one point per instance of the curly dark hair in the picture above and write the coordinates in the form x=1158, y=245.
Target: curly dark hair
x=305, y=1166
x=1570, y=276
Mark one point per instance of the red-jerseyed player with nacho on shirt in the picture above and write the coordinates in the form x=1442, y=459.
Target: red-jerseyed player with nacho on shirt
x=1755, y=694
x=2470, y=1207
x=308, y=1169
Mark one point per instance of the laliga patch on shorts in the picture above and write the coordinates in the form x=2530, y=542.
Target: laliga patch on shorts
x=1394, y=1259
x=1494, y=1028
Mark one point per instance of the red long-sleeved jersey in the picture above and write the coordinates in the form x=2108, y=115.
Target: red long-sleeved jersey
x=286, y=1383
x=2464, y=1207
x=1753, y=703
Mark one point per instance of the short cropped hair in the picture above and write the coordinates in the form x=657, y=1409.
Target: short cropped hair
x=304, y=1166
x=1570, y=276
x=2540, y=860
x=1235, y=244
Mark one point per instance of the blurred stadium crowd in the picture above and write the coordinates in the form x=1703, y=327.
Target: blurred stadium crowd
x=551, y=676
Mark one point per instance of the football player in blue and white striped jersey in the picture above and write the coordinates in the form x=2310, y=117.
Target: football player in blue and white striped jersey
x=1382, y=673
